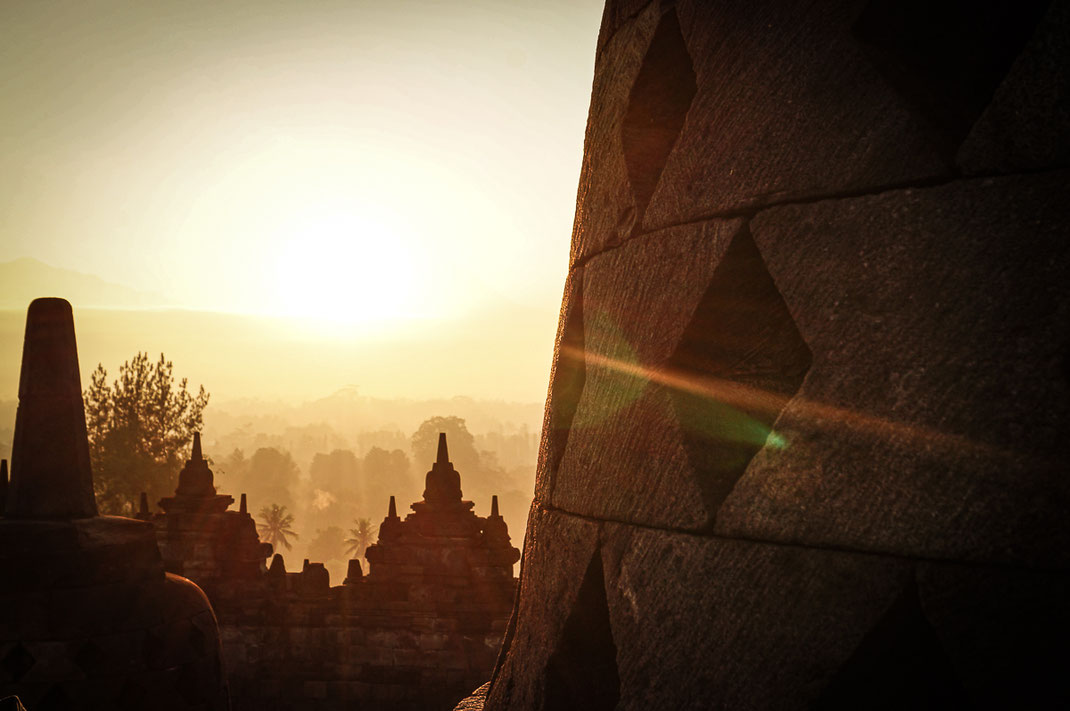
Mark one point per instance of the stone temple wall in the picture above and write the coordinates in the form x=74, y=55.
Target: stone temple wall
x=803, y=444
x=419, y=632
x=299, y=645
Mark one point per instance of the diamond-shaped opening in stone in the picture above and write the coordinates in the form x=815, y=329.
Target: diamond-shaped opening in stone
x=946, y=58
x=89, y=657
x=582, y=673
x=739, y=361
x=657, y=106
x=17, y=662
x=569, y=376
x=900, y=664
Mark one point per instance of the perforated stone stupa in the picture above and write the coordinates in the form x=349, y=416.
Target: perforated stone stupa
x=805, y=440
x=88, y=617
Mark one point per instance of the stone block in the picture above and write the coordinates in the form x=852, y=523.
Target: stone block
x=703, y=623
x=558, y=549
x=566, y=383
x=701, y=109
x=932, y=420
x=1027, y=124
x=679, y=327
x=604, y=211
x=475, y=701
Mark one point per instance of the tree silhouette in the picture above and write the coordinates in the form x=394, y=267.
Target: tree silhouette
x=462, y=446
x=385, y=474
x=275, y=526
x=139, y=428
x=272, y=475
x=359, y=538
x=328, y=544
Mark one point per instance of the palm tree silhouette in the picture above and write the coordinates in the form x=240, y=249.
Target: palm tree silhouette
x=359, y=538
x=275, y=526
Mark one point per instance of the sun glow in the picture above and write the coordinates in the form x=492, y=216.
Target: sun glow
x=346, y=266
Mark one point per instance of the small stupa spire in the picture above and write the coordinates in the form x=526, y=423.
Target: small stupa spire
x=195, y=455
x=443, y=451
x=392, y=512
x=494, y=505
x=243, y=507
x=443, y=483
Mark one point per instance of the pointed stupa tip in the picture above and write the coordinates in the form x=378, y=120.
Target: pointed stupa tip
x=196, y=455
x=51, y=476
x=392, y=512
x=278, y=565
x=494, y=505
x=443, y=452
x=243, y=507
x=143, y=504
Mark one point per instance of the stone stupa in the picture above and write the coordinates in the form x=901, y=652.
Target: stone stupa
x=89, y=618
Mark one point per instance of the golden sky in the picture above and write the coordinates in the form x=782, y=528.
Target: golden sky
x=361, y=160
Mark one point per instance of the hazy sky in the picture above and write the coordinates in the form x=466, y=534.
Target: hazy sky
x=373, y=159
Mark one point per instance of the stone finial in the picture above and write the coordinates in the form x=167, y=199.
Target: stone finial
x=243, y=507
x=443, y=483
x=278, y=566
x=143, y=505
x=495, y=530
x=51, y=476
x=391, y=526
x=195, y=455
x=443, y=452
x=196, y=478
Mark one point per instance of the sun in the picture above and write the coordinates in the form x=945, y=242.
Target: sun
x=346, y=266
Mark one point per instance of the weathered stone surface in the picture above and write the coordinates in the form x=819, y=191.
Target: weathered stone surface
x=567, y=375
x=769, y=626
x=930, y=422
x=814, y=461
x=557, y=551
x=762, y=626
x=475, y=701
x=681, y=329
x=50, y=470
x=1027, y=125
x=791, y=102
x=605, y=215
